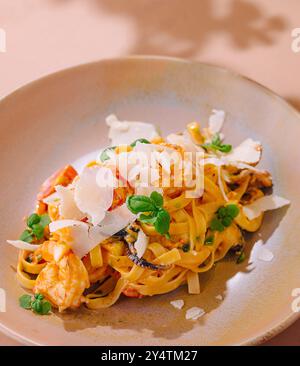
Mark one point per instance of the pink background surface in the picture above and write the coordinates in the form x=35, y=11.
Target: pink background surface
x=250, y=37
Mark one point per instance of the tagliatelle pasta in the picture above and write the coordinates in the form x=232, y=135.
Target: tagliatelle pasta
x=121, y=242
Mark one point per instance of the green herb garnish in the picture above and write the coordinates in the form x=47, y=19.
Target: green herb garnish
x=105, y=153
x=25, y=301
x=216, y=144
x=26, y=236
x=224, y=217
x=216, y=225
x=151, y=211
x=142, y=141
x=44, y=220
x=38, y=231
x=33, y=219
x=35, y=303
x=35, y=227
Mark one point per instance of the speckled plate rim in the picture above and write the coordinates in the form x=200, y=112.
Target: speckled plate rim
x=264, y=336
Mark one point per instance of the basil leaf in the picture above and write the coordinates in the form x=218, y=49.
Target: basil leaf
x=148, y=219
x=162, y=223
x=216, y=144
x=158, y=217
x=142, y=141
x=36, y=306
x=226, y=221
x=232, y=210
x=45, y=220
x=216, y=140
x=26, y=236
x=216, y=225
x=25, y=301
x=137, y=204
x=46, y=308
x=38, y=231
x=222, y=212
x=39, y=296
x=157, y=198
x=225, y=148
x=105, y=153
x=33, y=219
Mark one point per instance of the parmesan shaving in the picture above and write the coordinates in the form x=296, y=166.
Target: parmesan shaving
x=263, y=204
x=83, y=237
x=184, y=140
x=216, y=121
x=20, y=244
x=125, y=132
x=92, y=195
x=67, y=205
x=249, y=152
x=178, y=304
x=141, y=244
x=116, y=220
x=220, y=183
x=265, y=255
x=194, y=313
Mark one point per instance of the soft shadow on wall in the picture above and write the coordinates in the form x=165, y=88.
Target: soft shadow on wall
x=183, y=27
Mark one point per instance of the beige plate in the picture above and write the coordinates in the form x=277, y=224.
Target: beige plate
x=59, y=118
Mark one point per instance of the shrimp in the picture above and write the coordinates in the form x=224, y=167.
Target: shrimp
x=52, y=251
x=63, y=282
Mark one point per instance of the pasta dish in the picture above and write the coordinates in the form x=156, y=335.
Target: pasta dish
x=147, y=215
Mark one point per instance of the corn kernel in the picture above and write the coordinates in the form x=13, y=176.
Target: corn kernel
x=195, y=133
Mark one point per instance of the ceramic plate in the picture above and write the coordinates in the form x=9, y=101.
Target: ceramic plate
x=59, y=118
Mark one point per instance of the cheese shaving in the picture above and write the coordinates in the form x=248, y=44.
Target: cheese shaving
x=216, y=121
x=141, y=244
x=249, y=152
x=194, y=313
x=178, y=304
x=92, y=196
x=20, y=244
x=265, y=255
x=125, y=132
x=67, y=205
x=263, y=204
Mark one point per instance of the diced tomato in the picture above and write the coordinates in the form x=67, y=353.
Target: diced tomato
x=41, y=208
x=62, y=177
